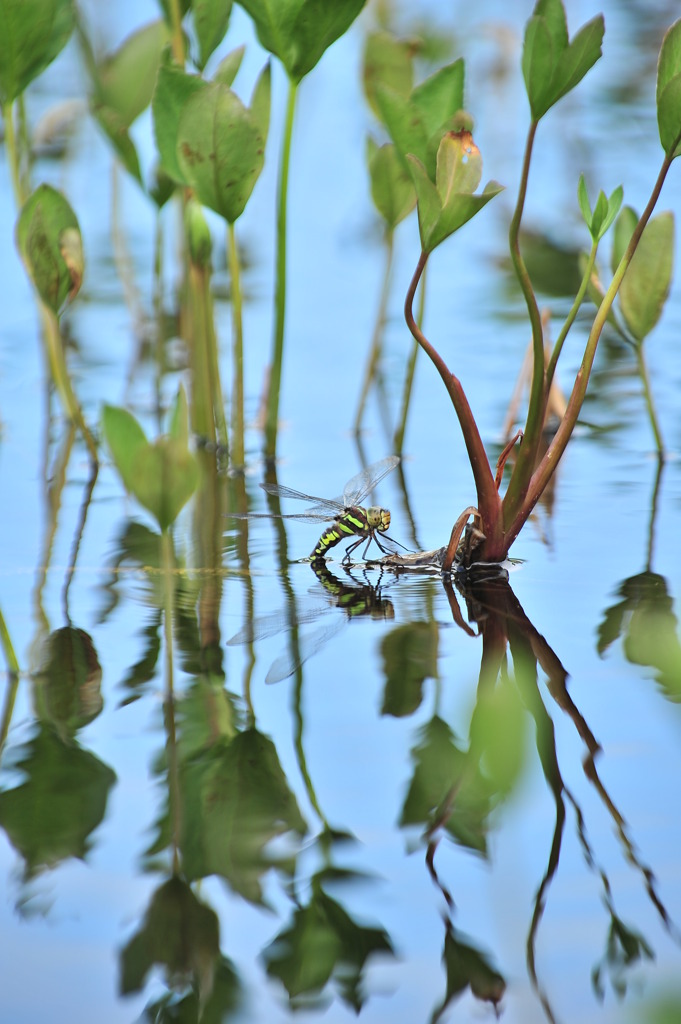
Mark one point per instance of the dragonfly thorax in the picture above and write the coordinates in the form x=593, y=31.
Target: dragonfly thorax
x=378, y=518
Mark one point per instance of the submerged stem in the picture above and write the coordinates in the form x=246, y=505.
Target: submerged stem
x=379, y=325
x=272, y=411
x=238, y=449
x=650, y=404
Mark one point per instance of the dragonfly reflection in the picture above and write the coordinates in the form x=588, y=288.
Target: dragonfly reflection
x=354, y=598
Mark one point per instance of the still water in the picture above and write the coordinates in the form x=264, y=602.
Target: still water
x=383, y=795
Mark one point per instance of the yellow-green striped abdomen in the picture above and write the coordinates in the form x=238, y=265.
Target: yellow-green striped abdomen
x=355, y=521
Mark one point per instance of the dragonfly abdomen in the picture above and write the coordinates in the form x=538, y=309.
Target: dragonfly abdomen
x=352, y=522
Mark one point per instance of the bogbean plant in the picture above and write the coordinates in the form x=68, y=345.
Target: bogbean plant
x=211, y=149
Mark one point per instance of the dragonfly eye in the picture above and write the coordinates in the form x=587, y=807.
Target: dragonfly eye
x=378, y=518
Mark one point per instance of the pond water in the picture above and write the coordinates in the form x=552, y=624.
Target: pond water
x=384, y=796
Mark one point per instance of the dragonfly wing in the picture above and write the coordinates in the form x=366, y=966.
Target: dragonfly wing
x=363, y=483
x=264, y=626
x=287, y=663
x=323, y=508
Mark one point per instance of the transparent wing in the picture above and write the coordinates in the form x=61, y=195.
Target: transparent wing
x=323, y=508
x=363, y=483
x=264, y=626
x=287, y=663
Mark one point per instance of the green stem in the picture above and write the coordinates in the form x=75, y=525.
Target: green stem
x=177, y=34
x=60, y=376
x=168, y=563
x=238, y=446
x=12, y=154
x=489, y=504
x=272, y=411
x=650, y=404
x=527, y=453
x=554, y=452
x=379, y=325
x=557, y=348
x=8, y=648
x=398, y=444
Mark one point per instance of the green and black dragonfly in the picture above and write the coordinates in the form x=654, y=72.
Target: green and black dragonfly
x=349, y=517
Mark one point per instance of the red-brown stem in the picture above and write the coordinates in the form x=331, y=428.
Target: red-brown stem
x=489, y=503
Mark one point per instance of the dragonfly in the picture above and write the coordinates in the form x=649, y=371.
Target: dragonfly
x=349, y=518
x=353, y=598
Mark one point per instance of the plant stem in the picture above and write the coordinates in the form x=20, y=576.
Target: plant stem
x=60, y=376
x=398, y=444
x=272, y=410
x=557, y=348
x=489, y=504
x=650, y=404
x=168, y=563
x=177, y=34
x=379, y=326
x=238, y=448
x=547, y=466
x=12, y=155
x=527, y=453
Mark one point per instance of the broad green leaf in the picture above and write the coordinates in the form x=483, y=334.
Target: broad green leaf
x=211, y=18
x=179, y=933
x=440, y=97
x=299, y=31
x=646, y=283
x=405, y=125
x=68, y=692
x=60, y=801
x=552, y=65
x=669, y=91
x=126, y=78
x=624, y=229
x=392, y=189
x=162, y=476
x=228, y=67
x=116, y=130
x=583, y=199
x=32, y=33
x=173, y=90
x=237, y=800
x=440, y=218
x=220, y=149
x=387, y=61
x=467, y=967
x=48, y=237
x=440, y=769
x=321, y=944
x=409, y=655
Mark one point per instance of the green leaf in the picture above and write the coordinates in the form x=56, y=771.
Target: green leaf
x=48, y=237
x=162, y=476
x=173, y=90
x=668, y=92
x=60, y=801
x=228, y=67
x=392, y=189
x=211, y=18
x=32, y=33
x=116, y=130
x=237, y=800
x=552, y=66
x=322, y=943
x=583, y=199
x=125, y=79
x=220, y=149
x=68, y=693
x=445, y=207
x=299, y=31
x=409, y=655
x=604, y=211
x=405, y=125
x=179, y=933
x=646, y=283
x=387, y=61
x=440, y=97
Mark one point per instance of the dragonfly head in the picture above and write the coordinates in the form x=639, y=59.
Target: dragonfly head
x=378, y=518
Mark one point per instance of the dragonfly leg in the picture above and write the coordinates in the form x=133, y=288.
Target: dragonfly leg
x=349, y=550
